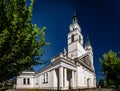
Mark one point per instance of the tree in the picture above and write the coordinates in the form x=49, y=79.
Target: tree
x=21, y=41
x=110, y=64
x=102, y=83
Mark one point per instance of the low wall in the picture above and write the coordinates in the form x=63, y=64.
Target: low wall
x=96, y=89
x=64, y=90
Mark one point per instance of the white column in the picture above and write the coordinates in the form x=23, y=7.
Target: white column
x=61, y=76
x=52, y=78
x=65, y=77
x=73, y=77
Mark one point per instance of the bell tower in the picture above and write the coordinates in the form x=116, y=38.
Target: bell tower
x=75, y=39
x=89, y=50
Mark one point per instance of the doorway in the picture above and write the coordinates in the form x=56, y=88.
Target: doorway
x=88, y=82
x=69, y=78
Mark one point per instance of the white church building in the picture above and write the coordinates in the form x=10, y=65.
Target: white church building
x=69, y=70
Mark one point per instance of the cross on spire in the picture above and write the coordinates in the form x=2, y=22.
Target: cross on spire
x=75, y=17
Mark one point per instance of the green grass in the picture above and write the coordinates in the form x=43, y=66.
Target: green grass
x=28, y=90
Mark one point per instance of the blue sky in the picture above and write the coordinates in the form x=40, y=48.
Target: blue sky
x=99, y=19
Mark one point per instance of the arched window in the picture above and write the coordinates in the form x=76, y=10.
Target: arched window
x=24, y=81
x=72, y=38
x=94, y=82
x=88, y=82
x=84, y=80
x=46, y=77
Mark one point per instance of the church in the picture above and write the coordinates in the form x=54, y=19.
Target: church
x=72, y=69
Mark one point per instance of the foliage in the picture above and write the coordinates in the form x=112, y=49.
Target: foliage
x=110, y=64
x=21, y=41
x=102, y=83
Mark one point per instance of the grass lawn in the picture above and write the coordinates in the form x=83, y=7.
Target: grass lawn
x=27, y=90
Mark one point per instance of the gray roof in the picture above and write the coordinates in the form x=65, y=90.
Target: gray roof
x=30, y=69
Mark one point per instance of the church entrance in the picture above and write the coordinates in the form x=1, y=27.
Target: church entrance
x=88, y=82
x=65, y=78
x=69, y=78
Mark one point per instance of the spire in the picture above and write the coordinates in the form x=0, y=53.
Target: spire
x=87, y=41
x=75, y=17
x=88, y=45
x=74, y=12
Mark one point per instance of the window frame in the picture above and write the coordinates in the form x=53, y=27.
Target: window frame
x=72, y=38
x=24, y=81
x=28, y=81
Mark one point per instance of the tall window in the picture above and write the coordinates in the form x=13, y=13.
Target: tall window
x=28, y=81
x=88, y=82
x=94, y=82
x=24, y=81
x=46, y=77
x=72, y=38
x=84, y=80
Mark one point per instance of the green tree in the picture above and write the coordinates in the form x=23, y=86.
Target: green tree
x=110, y=64
x=21, y=41
x=101, y=83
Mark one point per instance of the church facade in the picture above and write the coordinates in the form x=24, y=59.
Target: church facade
x=69, y=70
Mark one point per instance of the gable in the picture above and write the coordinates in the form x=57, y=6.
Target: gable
x=85, y=61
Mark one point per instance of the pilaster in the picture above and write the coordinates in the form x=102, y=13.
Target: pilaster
x=61, y=77
x=65, y=77
x=73, y=79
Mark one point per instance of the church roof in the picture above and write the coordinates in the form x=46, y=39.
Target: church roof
x=57, y=61
x=30, y=69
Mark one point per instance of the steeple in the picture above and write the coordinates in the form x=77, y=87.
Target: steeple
x=74, y=25
x=88, y=45
x=75, y=17
x=88, y=49
x=87, y=41
x=75, y=39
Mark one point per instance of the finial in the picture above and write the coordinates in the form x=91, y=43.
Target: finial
x=74, y=12
x=65, y=52
x=75, y=17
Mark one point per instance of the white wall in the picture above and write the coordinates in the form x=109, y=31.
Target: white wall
x=52, y=80
x=37, y=81
x=76, y=48
x=20, y=83
x=82, y=75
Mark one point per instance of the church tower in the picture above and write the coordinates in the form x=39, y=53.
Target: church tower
x=75, y=39
x=88, y=49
